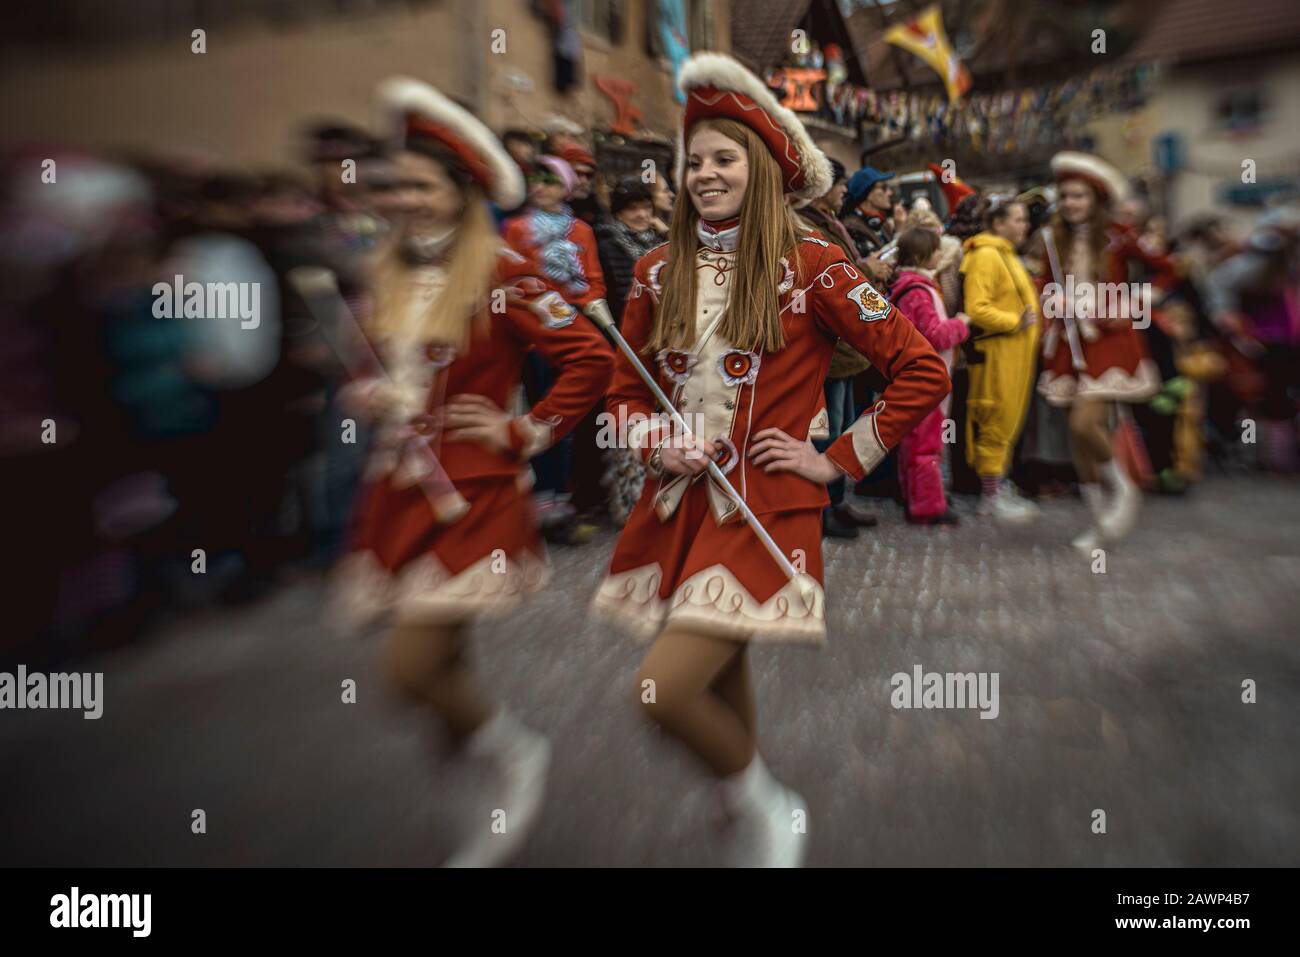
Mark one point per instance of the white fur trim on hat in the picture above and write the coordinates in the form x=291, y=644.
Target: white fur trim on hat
x=399, y=95
x=722, y=72
x=1095, y=170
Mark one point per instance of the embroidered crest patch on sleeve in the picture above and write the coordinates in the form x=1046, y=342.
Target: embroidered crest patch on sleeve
x=871, y=304
x=554, y=311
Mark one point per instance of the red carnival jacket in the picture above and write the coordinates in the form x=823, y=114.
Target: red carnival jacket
x=519, y=234
x=406, y=387
x=733, y=393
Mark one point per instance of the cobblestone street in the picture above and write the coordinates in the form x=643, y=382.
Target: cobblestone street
x=1119, y=691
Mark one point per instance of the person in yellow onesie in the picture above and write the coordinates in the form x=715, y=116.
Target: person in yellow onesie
x=1003, y=306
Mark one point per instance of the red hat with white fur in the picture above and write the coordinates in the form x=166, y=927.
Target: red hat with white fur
x=1109, y=182
x=409, y=107
x=718, y=87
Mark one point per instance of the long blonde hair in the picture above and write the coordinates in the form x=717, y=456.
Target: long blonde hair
x=460, y=308
x=768, y=231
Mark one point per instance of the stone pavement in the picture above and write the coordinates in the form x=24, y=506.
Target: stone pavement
x=1119, y=691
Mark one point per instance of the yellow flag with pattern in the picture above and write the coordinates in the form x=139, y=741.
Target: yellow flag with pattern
x=924, y=37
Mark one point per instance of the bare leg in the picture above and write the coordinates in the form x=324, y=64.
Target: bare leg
x=431, y=664
x=684, y=668
x=736, y=689
x=1089, y=438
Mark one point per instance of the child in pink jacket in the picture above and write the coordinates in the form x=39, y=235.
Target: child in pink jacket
x=920, y=454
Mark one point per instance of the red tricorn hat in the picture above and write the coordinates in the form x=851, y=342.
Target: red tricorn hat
x=409, y=107
x=953, y=192
x=716, y=86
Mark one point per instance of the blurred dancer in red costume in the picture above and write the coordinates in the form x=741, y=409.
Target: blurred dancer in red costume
x=444, y=531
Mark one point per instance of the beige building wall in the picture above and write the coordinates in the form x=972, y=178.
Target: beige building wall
x=1215, y=156
x=1186, y=104
x=530, y=56
x=1124, y=139
x=243, y=101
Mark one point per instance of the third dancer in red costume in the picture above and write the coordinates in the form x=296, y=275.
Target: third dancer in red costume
x=1095, y=253
x=737, y=317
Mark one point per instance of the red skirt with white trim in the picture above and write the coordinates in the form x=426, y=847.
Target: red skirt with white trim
x=692, y=573
x=1118, y=369
x=407, y=564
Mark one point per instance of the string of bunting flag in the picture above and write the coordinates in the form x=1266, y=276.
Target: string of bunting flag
x=995, y=123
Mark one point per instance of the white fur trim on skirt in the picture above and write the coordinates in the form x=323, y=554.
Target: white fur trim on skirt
x=424, y=592
x=1112, y=385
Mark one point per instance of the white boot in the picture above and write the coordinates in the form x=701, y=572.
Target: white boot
x=1094, y=500
x=1118, y=520
x=1008, y=506
x=520, y=758
x=770, y=821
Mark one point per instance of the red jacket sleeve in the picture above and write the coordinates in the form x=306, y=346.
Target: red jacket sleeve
x=538, y=316
x=515, y=232
x=846, y=306
x=1160, y=269
x=629, y=401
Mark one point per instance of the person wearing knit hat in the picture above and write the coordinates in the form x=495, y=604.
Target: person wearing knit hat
x=442, y=533
x=737, y=316
x=868, y=209
x=860, y=186
x=1094, y=252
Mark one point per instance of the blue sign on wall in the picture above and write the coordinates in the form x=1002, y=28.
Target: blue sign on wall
x=672, y=32
x=1169, y=152
x=1256, y=194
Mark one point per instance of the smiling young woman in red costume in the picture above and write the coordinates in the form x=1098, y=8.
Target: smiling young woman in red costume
x=737, y=317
